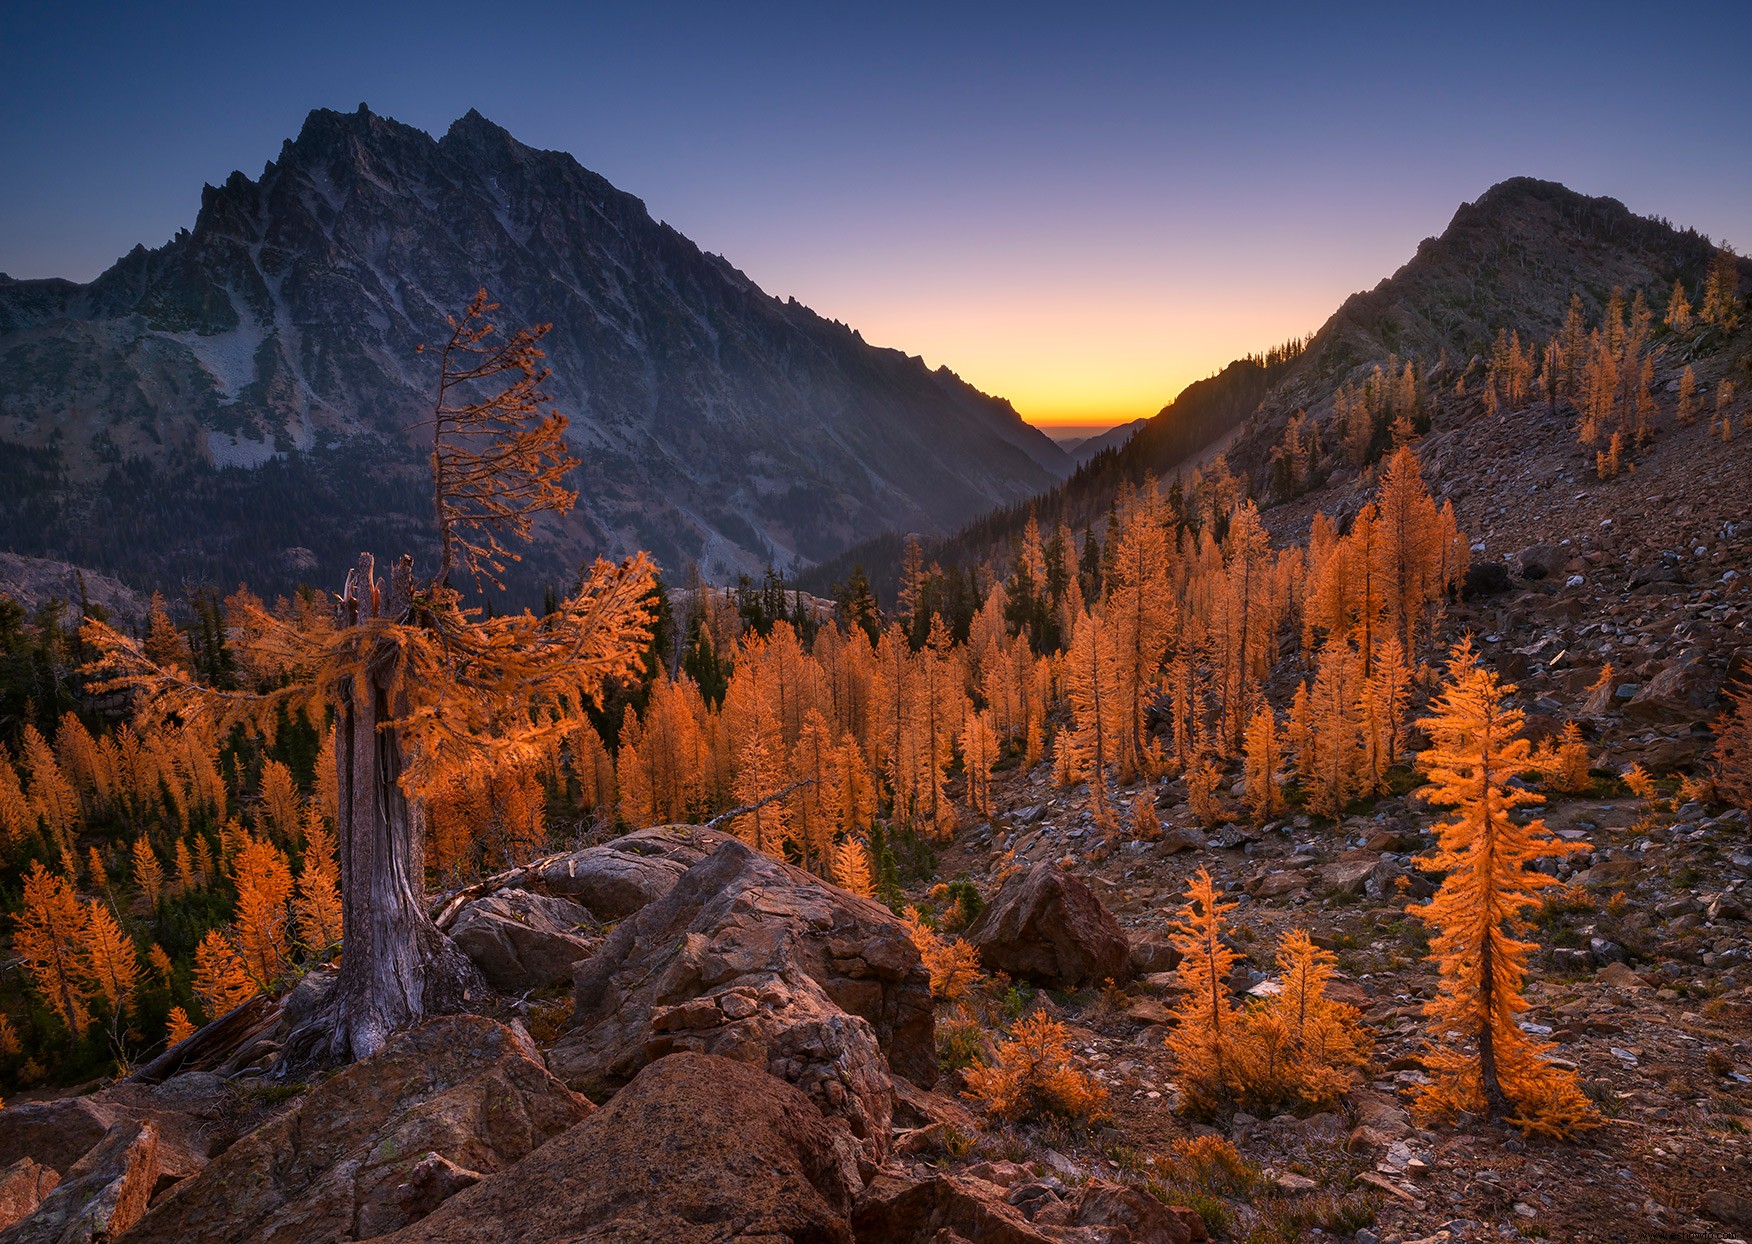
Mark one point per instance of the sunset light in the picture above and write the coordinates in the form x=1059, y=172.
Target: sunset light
x=758, y=623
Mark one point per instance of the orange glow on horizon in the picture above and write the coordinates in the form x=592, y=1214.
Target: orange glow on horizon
x=1063, y=354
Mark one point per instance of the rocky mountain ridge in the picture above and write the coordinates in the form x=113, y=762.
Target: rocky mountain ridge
x=1509, y=261
x=242, y=401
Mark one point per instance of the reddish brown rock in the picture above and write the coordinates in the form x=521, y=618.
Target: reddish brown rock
x=103, y=1195
x=754, y=960
x=1153, y=953
x=55, y=1134
x=185, y=1113
x=335, y=1165
x=1047, y=927
x=23, y=1185
x=898, y=1208
x=433, y=1181
x=1360, y=872
x=696, y=1149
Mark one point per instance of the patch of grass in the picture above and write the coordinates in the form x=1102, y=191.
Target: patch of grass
x=1604, y=1097
x=1216, y=1212
x=961, y=1043
x=1209, y=1164
x=546, y=1020
x=266, y=1093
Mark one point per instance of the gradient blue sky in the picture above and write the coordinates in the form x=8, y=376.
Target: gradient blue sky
x=1080, y=207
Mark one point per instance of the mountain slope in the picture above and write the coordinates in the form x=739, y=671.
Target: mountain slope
x=239, y=401
x=1087, y=447
x=1509, y=261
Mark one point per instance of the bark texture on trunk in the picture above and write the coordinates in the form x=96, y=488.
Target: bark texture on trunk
x=396, y=966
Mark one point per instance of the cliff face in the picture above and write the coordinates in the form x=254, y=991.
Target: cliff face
x=247, y=391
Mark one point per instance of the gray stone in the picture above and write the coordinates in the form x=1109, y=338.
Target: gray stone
x=523, y=941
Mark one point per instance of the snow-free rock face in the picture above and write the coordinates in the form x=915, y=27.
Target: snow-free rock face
x=618, y=878
x=1046, y=926
x=902, y=1208
x=695, y=1149
x=756, y=960
x=268, y=355
x=522, y=941
x=104, y=1193
x=345, y=1161
x=23, y=1185
x=188, y=1116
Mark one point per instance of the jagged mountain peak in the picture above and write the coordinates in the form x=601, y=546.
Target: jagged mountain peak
x=272, y=346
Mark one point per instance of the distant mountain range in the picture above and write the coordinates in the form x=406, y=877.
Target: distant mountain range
x=1509, y=261
x=239, y=403
x=1083, y=448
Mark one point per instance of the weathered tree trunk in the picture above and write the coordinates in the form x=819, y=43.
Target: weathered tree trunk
x=396, y=967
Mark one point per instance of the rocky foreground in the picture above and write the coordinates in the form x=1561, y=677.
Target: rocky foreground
x=697, y=1042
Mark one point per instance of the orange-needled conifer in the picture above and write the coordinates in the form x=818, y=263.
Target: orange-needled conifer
x=49, y=939
x=1481, y=1061
x=1203, y=1038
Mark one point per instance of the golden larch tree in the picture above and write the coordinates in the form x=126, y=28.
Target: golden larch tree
x=1678, y=316
x=1138, y=608
x=1098, y=707
x=111, y=961
x=52, y=797
x=815, y=804
x=421, y=686
x=1246, y=620
x=221, y=981
x=177, y=1027
x=1264, y=760
x=1331, y=761
x=1480, y=1059
x=148, y=872
x=317, y=909
x=1207, y=1016
x=851, y=868
x=979, y=751
x=17, y=819
x=264, y=892
x=1299, y=1047
x=280, y=805
x=1409, y=549
x=1386, y=695
x=49, y=939
x=1732, y=754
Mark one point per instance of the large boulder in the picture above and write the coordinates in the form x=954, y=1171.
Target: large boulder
x=620, y=877
x=338, y=1164
x=696, y=1149
x=523, y=941
x=1682, y=691
x=1539, y=561
x=1360, y=872
x=55, y=1134
x=753, y=959
x=104, y=1193
x=188, y=1113
x=901, y=1208
x=1047, y=927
